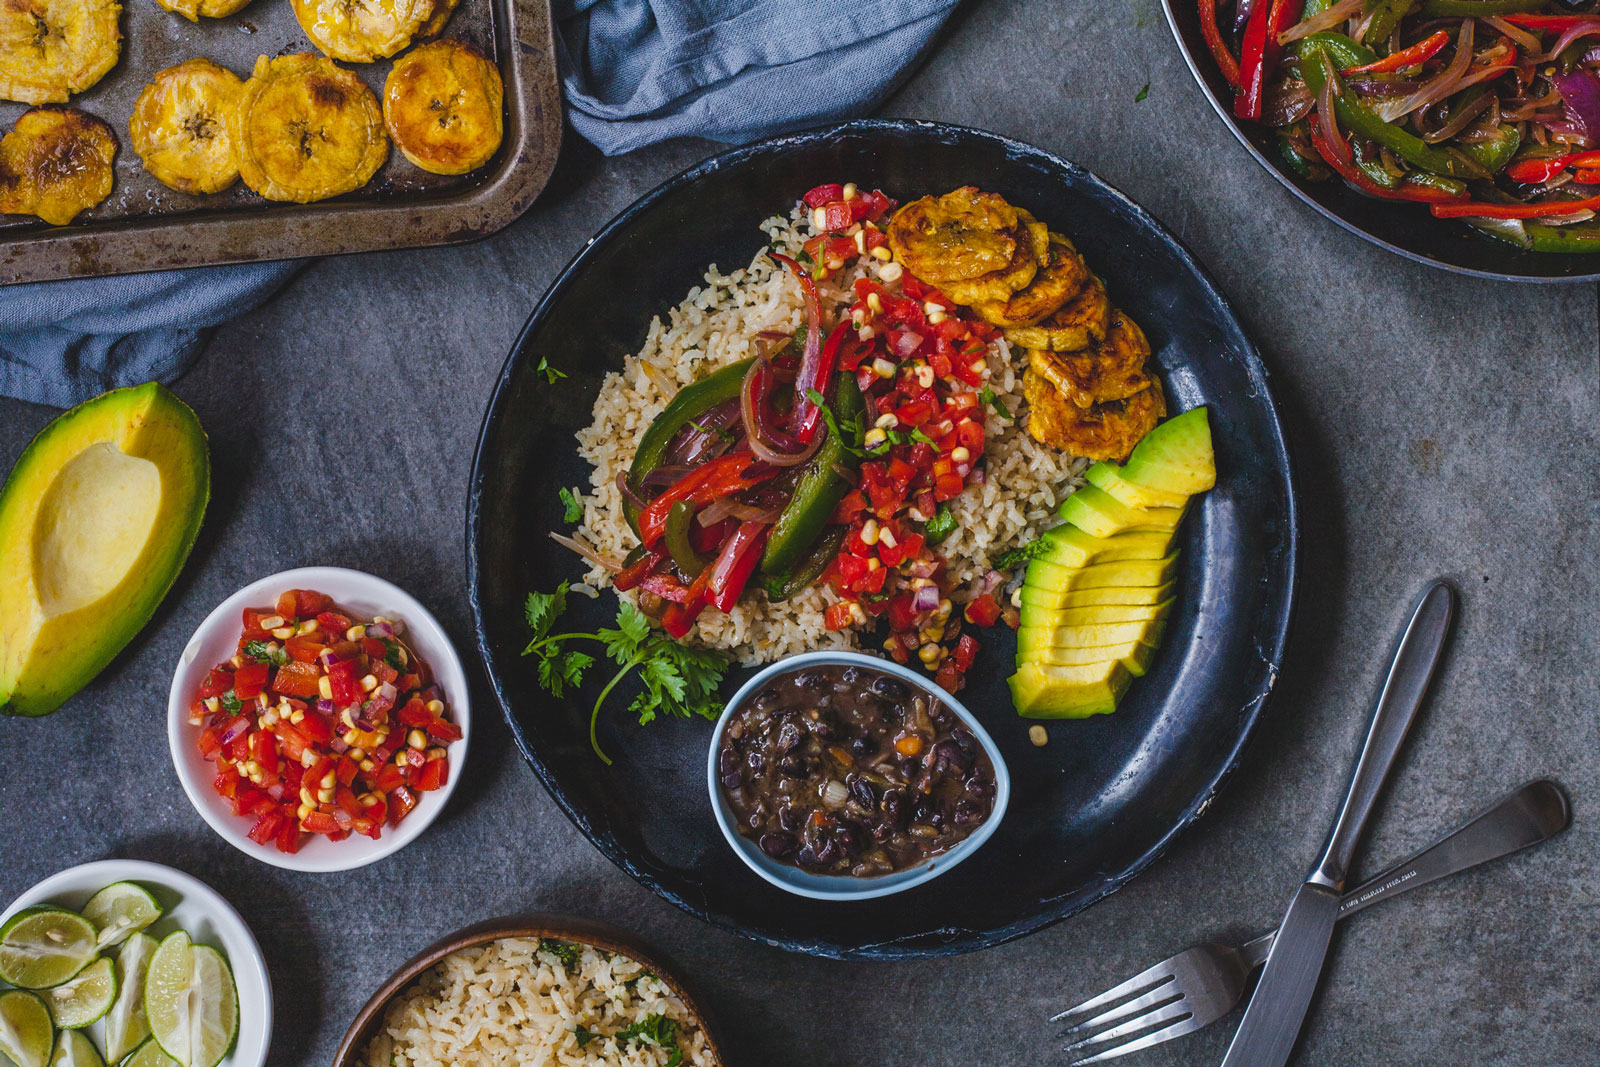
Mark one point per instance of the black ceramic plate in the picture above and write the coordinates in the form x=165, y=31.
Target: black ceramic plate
x=1406, y=229
x=1102, y=800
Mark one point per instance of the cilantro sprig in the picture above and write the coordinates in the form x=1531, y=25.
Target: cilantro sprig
x=988, y=399
x=551, y=374
x=569, y=954
x=655, y=1029
x=265, y=652
x=679, y=681
x=1016, y=557
x=572, y=506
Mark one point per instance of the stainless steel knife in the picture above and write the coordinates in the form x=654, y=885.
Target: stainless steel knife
x=1272, y=1021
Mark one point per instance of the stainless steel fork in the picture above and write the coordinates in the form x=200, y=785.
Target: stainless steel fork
x=1197, y=987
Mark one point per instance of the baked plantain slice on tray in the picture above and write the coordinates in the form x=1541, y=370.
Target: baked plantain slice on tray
x=50, y=49
x=361, y=31
x=179, y=126
x=306, y=129
x=442, y=103
x=55, y=163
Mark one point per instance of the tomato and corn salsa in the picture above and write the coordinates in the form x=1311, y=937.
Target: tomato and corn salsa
x=320, y=724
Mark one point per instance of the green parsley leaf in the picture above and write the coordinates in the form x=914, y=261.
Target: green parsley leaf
x=726, y=435
x=231, y=703
x=391, y=654
x=266, y=652
x=549, y=372
x=568, y=953
x=584, y=1035
x=1142, y=93
x=918, y=435
x=844, y=432
x=990, y=400
x=573, y=506
x=940, y=526
x=1016, y=557
x=541, y=610
x=675, y=1058
x=655, y=1028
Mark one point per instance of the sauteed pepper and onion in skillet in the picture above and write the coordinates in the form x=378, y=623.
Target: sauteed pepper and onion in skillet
x=1487, y=111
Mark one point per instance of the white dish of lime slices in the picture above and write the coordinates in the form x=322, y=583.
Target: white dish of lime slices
x=130, y=964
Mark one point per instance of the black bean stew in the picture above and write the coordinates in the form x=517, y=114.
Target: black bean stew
x=847, y=770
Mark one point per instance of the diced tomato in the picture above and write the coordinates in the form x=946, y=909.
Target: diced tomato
x=966, y=651
x=217, y=682
x=377, y=708
x=902, y=617
x=319, y=771
x=293, y=741
x=264, y=750
x=375, y=649
x=415, y=713
x=296, y=679
x=251, y=619
x=346, y=771
x=849, y=506
x=303, y=648
x=209, y=742
x=286, y=605
x=948, y=676
x=317, y=729
x=434, y=774
x=333, y=623
x=838, y=616
x=983, y=610
x=238, y=749
x=266, y=828
x=969, y=433
x=837, y=216
x=249, y=681
x=948, y=487
x=873, y=582
x=389, y=778
x=401, y=803
x=444, y=730
x=289, y=836
x=226, y=781
x=309, y=603
x=319, y=822
x=823, y=194
x=342, y=681
x=347, y=800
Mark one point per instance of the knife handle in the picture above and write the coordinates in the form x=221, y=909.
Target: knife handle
x=1414, y=662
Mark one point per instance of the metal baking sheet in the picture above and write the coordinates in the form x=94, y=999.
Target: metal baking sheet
x=143, y=225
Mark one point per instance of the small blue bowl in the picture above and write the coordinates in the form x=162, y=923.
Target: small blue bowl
x=846, y=887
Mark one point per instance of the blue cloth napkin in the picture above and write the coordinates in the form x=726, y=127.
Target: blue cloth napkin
x=63, y=342
x=641, y=71
x=635, y=72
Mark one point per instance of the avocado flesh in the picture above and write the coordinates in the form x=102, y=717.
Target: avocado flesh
x=1136, y=573
x=1135, y=656
x=1043, y=692
x=1083, y=598
x=1095, y=511
x=1032, y=640
x=1108, y=477
x=96, y=519
x=1176, y=456
x=1092, y=614
x=1068, y=546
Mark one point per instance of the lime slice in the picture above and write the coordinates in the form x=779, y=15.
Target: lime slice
x=216, y=1023
x=167, y=1004
x=126, y=1027
x=41, y=947
x=149, y=1054
x=118, y=910
x=85, y=998
x=26, y=1032
x=75, y=1050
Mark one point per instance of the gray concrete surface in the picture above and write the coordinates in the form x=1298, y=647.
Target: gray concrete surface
x=1441, y=426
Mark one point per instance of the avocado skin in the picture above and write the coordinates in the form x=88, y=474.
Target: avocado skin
x=45, y=661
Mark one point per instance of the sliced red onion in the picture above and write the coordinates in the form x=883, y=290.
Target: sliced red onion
x=1323, y=20
x=847, y=473
x=1241, y=14
x=1573, y=33
x=342, y=818
x=923, y=568
x=339, y=745
x=275, y=790
x=586, y=552
x=626, y=489
x=925, y=598
x=811, y=359
x=990, y=581
x=1524, y=40
x=661, y=477
x=906, y=345
x=238, y=727
x=1286, y=101
x=379, y=630
x=1437, y=88
x=772, y=446
x=1461, y=121
x=774, y=335
x=1581, y=91
x=1327, y=121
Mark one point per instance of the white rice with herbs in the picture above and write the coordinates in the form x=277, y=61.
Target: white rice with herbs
x=715, y=325
x=508, y=1002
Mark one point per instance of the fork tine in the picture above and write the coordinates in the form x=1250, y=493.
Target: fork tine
x=1177, y=1011
x=1177, y=1029
x=1160, y=996
x=1139, y=983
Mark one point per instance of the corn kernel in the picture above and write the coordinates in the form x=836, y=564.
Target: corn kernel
x=857, y=614
x=356, y=753
x=435, y=707
x=367, y=766
x=850, y=190
x=417, y=739
x=891, y=270
x=306, y=797
x=307, y=758
x=887, y=421
x=347, y=716
x=212, y=703
x=262, y=702
x=869, y=532
x=859, y=316
x=272, y=622
x=325, y=687
x=819, y=219
x=252, y=768
x=929, y=307
x=1016, y=597
x=861, y=242
x=875, y=437
x=866, y=333
x=297, y=717
x=351, y=737
x=355, y=633
x=886, y=538
x=960, y=454
x=980, y=366
x=1038, y=735
x=369, y=683
x=921, y=583
x=328, y=780
x=874, y=303
x=835, y=263
x=435, y=753
x=325, y=796
x=936, y=317
x=310, y=626
x=283, y=633
x=916, y=514
x=237, y=662
x=928, y=654
x=305, y=810
x=882, y=367
x=874, y=563
x=269, y=718
x=925, y=376
x=943, y=610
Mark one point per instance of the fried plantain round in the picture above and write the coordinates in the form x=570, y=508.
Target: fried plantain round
x=179, y=126
x=1057, y=281
x=1033, y=250
x=1094, y=377
x=361, y=31
x=442, y=10
x=1079, y=323
x=50, y=49
x=306, y=129
x=1104, y=431
x=195, y=10
x=442, y=103
x=962, y=235
x=56, y=163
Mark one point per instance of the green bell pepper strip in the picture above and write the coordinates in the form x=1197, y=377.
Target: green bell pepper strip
x=692, y=401
x=1310, y=169
x=820, y=487
x=1580, y=237
x=1361, y=119
x=780, y=587
x=1480, y=8
x=690, y=562
x=1386, y=18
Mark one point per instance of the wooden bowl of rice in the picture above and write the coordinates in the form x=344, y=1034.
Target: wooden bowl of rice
x=532, y=990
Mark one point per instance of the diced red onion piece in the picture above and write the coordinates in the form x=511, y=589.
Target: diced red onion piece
x=233, y=732
x=925, y=598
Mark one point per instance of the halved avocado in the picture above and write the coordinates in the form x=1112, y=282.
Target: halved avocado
x=1093, y=510
x=1108, y=476
x=1123, y=572
x=1135, y=656
x=96, y=519
x=1091, y=615
x=1043, y=692
x=1069, y=546
x=1082, y=598
x=1176, y=456
x=1032, y=639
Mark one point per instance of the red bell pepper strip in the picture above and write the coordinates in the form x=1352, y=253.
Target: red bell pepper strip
x=1548, y=22
x=1586, y=176
x=811, y=358
x=823, y=194
x=1257, y=57
x=1420, y=52
x=721, y=477
x=736, y=562
x=1535, y=171
x=1473, y=209
x=1219, y=49
x=631, y=576
x=812, y=418
x=1353, y=174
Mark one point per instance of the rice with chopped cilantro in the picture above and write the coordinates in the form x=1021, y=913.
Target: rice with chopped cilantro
x=715, y=325
x=538, y=1003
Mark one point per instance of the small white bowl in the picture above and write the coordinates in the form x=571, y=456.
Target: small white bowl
x=846, y=887
x=362, y=595
x=192, y=906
